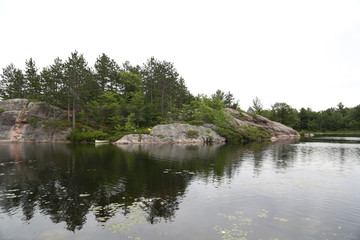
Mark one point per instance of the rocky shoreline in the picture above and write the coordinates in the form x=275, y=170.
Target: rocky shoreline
x=179, y=133
x=25, y=121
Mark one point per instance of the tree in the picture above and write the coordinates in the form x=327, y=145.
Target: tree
x=12, y=83
x=341, y=108
x=106, y=109
x=79, y=82
x=106, y=73
x=285, y=114
x=127, y=67
x=32, y=80
x=129, y=83
x=161, y=83
x=226, y=98
x=257, y=106
x=52, y=79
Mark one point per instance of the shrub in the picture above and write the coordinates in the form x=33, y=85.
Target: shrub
x=61, y=124
x=77, y=135
x=33, y=121
x=1, y=110
x=197, y=122
x=231, y=135
x=192, y=134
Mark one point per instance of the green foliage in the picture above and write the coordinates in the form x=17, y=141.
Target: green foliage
x=33, y=121
x=230, y=134
x=227, y=99
x=61, y=124
x=121, y=98
x=12, y=83
x=210, y=110
x=1, y=110
x=32, y=80
x=192, y=134
x=255, y=134
x=78, y=135
x=285, y=114
x=130, y=124
x=106, y=109
x=257, y=107
x=197, y=122
x=248, y=134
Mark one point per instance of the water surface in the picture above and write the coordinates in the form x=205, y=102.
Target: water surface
x=306, y=189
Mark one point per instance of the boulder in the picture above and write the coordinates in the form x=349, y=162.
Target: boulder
x=15, y=104
x=174, y=133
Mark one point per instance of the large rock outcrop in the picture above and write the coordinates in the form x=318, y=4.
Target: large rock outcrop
x=22, y=121
x=174, y=133
x=182, y=133
x=276, y=129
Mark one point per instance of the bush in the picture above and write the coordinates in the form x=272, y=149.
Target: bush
x=249, y=134
x=230, y=134
x=61, y=124
x=197, y=122
x=77, y=135
x=192, y=134
x=33, y=122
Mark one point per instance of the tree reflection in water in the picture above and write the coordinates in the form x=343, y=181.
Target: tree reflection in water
x=66, y=181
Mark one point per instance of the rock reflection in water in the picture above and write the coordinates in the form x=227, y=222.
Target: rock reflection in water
x=66, y=181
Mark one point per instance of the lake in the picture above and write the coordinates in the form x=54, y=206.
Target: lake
x=295, y=189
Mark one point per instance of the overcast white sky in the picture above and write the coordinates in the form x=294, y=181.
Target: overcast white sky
x=305, y=53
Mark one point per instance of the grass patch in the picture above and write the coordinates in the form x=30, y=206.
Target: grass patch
x=192, y=134
x=197, y=122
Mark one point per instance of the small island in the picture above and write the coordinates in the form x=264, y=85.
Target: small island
x=70, y=101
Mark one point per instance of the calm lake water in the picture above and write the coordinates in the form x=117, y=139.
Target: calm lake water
x=308, y=189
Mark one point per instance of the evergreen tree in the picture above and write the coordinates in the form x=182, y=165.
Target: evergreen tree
x=106, y=73
x=12, y=83
x=52, y=79
x=32, y=80
x=79, y=82
x=257, y=106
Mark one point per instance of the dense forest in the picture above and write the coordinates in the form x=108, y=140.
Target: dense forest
x=109, y=99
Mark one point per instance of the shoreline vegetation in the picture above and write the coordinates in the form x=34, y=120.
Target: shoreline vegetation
x=109, y=101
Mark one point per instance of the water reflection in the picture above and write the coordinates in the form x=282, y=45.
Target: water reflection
x=65, y=181
x=146, y=183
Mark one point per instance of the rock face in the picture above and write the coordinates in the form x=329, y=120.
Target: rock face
x=174, y=133
x=185, y=133
x=277, y=130
x=22, y=121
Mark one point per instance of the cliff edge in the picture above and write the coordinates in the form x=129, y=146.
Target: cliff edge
x=23, y=121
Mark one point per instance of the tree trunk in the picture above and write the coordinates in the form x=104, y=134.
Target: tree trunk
x=162, y=99
x=73, y=113
x=68, y=111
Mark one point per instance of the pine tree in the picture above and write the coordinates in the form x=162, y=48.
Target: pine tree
x=12, y=83
x=52, y=80
x=32, y=80
x=79, y=82
x=106, y=73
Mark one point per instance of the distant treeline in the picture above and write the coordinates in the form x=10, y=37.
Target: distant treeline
x=110, y=99
x=331, y=119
